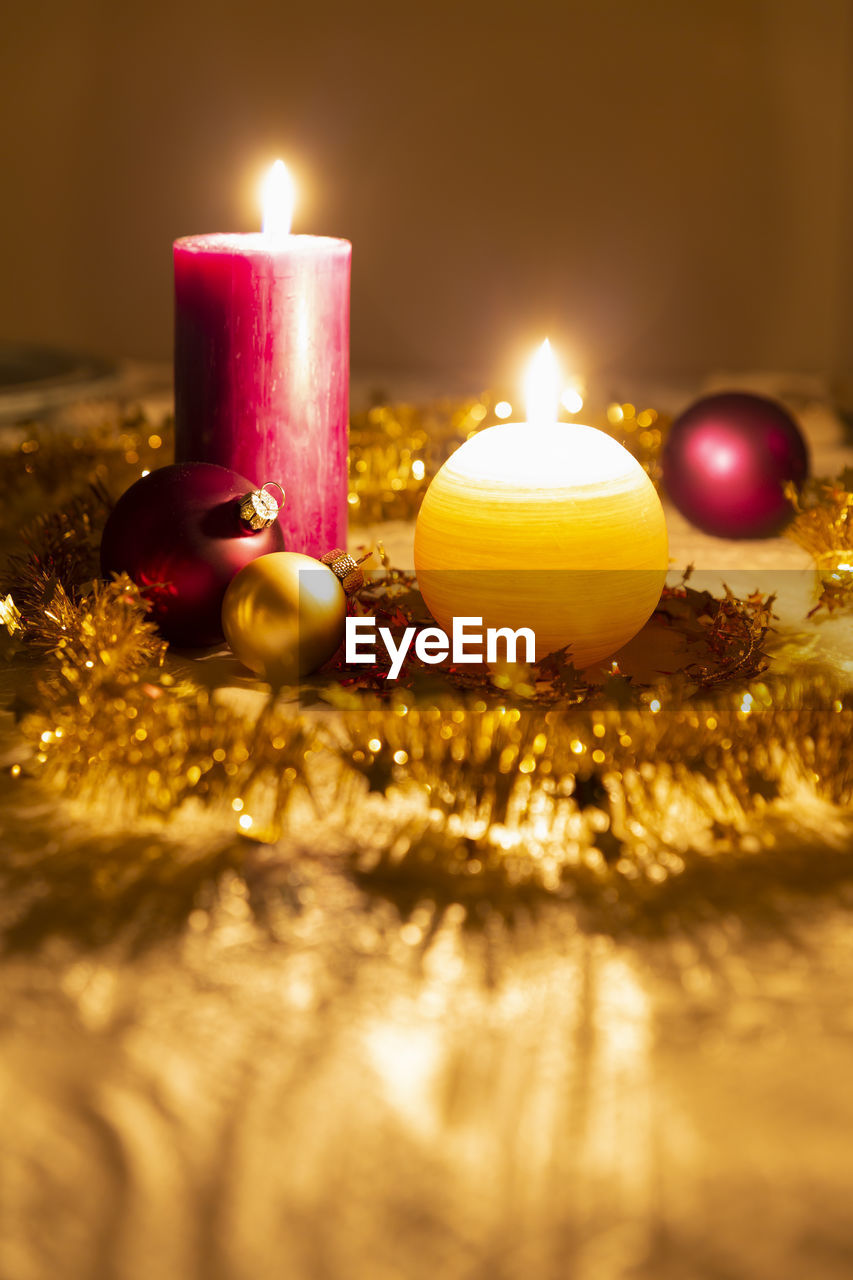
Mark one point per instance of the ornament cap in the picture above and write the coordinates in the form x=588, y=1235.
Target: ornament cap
x=345, y=567
x=260, y=509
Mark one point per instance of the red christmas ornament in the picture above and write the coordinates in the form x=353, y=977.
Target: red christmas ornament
x=182, y=533
x=727, y=460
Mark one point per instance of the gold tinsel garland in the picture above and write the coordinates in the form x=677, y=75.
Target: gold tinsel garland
x=518, y=782
x=483, y=800
x=611, y=805
x=107, y=721
x=823, y=525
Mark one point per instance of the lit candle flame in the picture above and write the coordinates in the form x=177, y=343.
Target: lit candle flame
x=542, y=386
x=278, y=196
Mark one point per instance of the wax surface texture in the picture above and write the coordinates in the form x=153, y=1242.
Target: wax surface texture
x=555, y=527
x=262, y=370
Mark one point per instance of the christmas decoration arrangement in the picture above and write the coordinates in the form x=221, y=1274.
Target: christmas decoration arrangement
x=565, y=771
x=494, y=777
x=570, y=798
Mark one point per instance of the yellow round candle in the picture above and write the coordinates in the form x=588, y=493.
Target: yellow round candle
x=547, y=525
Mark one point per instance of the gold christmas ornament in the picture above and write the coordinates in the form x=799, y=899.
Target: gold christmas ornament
x=284, y=614
x=546, y=525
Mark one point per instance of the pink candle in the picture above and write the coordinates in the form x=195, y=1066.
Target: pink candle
x=262, y=366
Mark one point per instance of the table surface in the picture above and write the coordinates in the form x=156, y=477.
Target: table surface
x=334, y=1087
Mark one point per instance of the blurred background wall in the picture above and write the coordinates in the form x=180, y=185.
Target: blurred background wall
x=663, y=187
